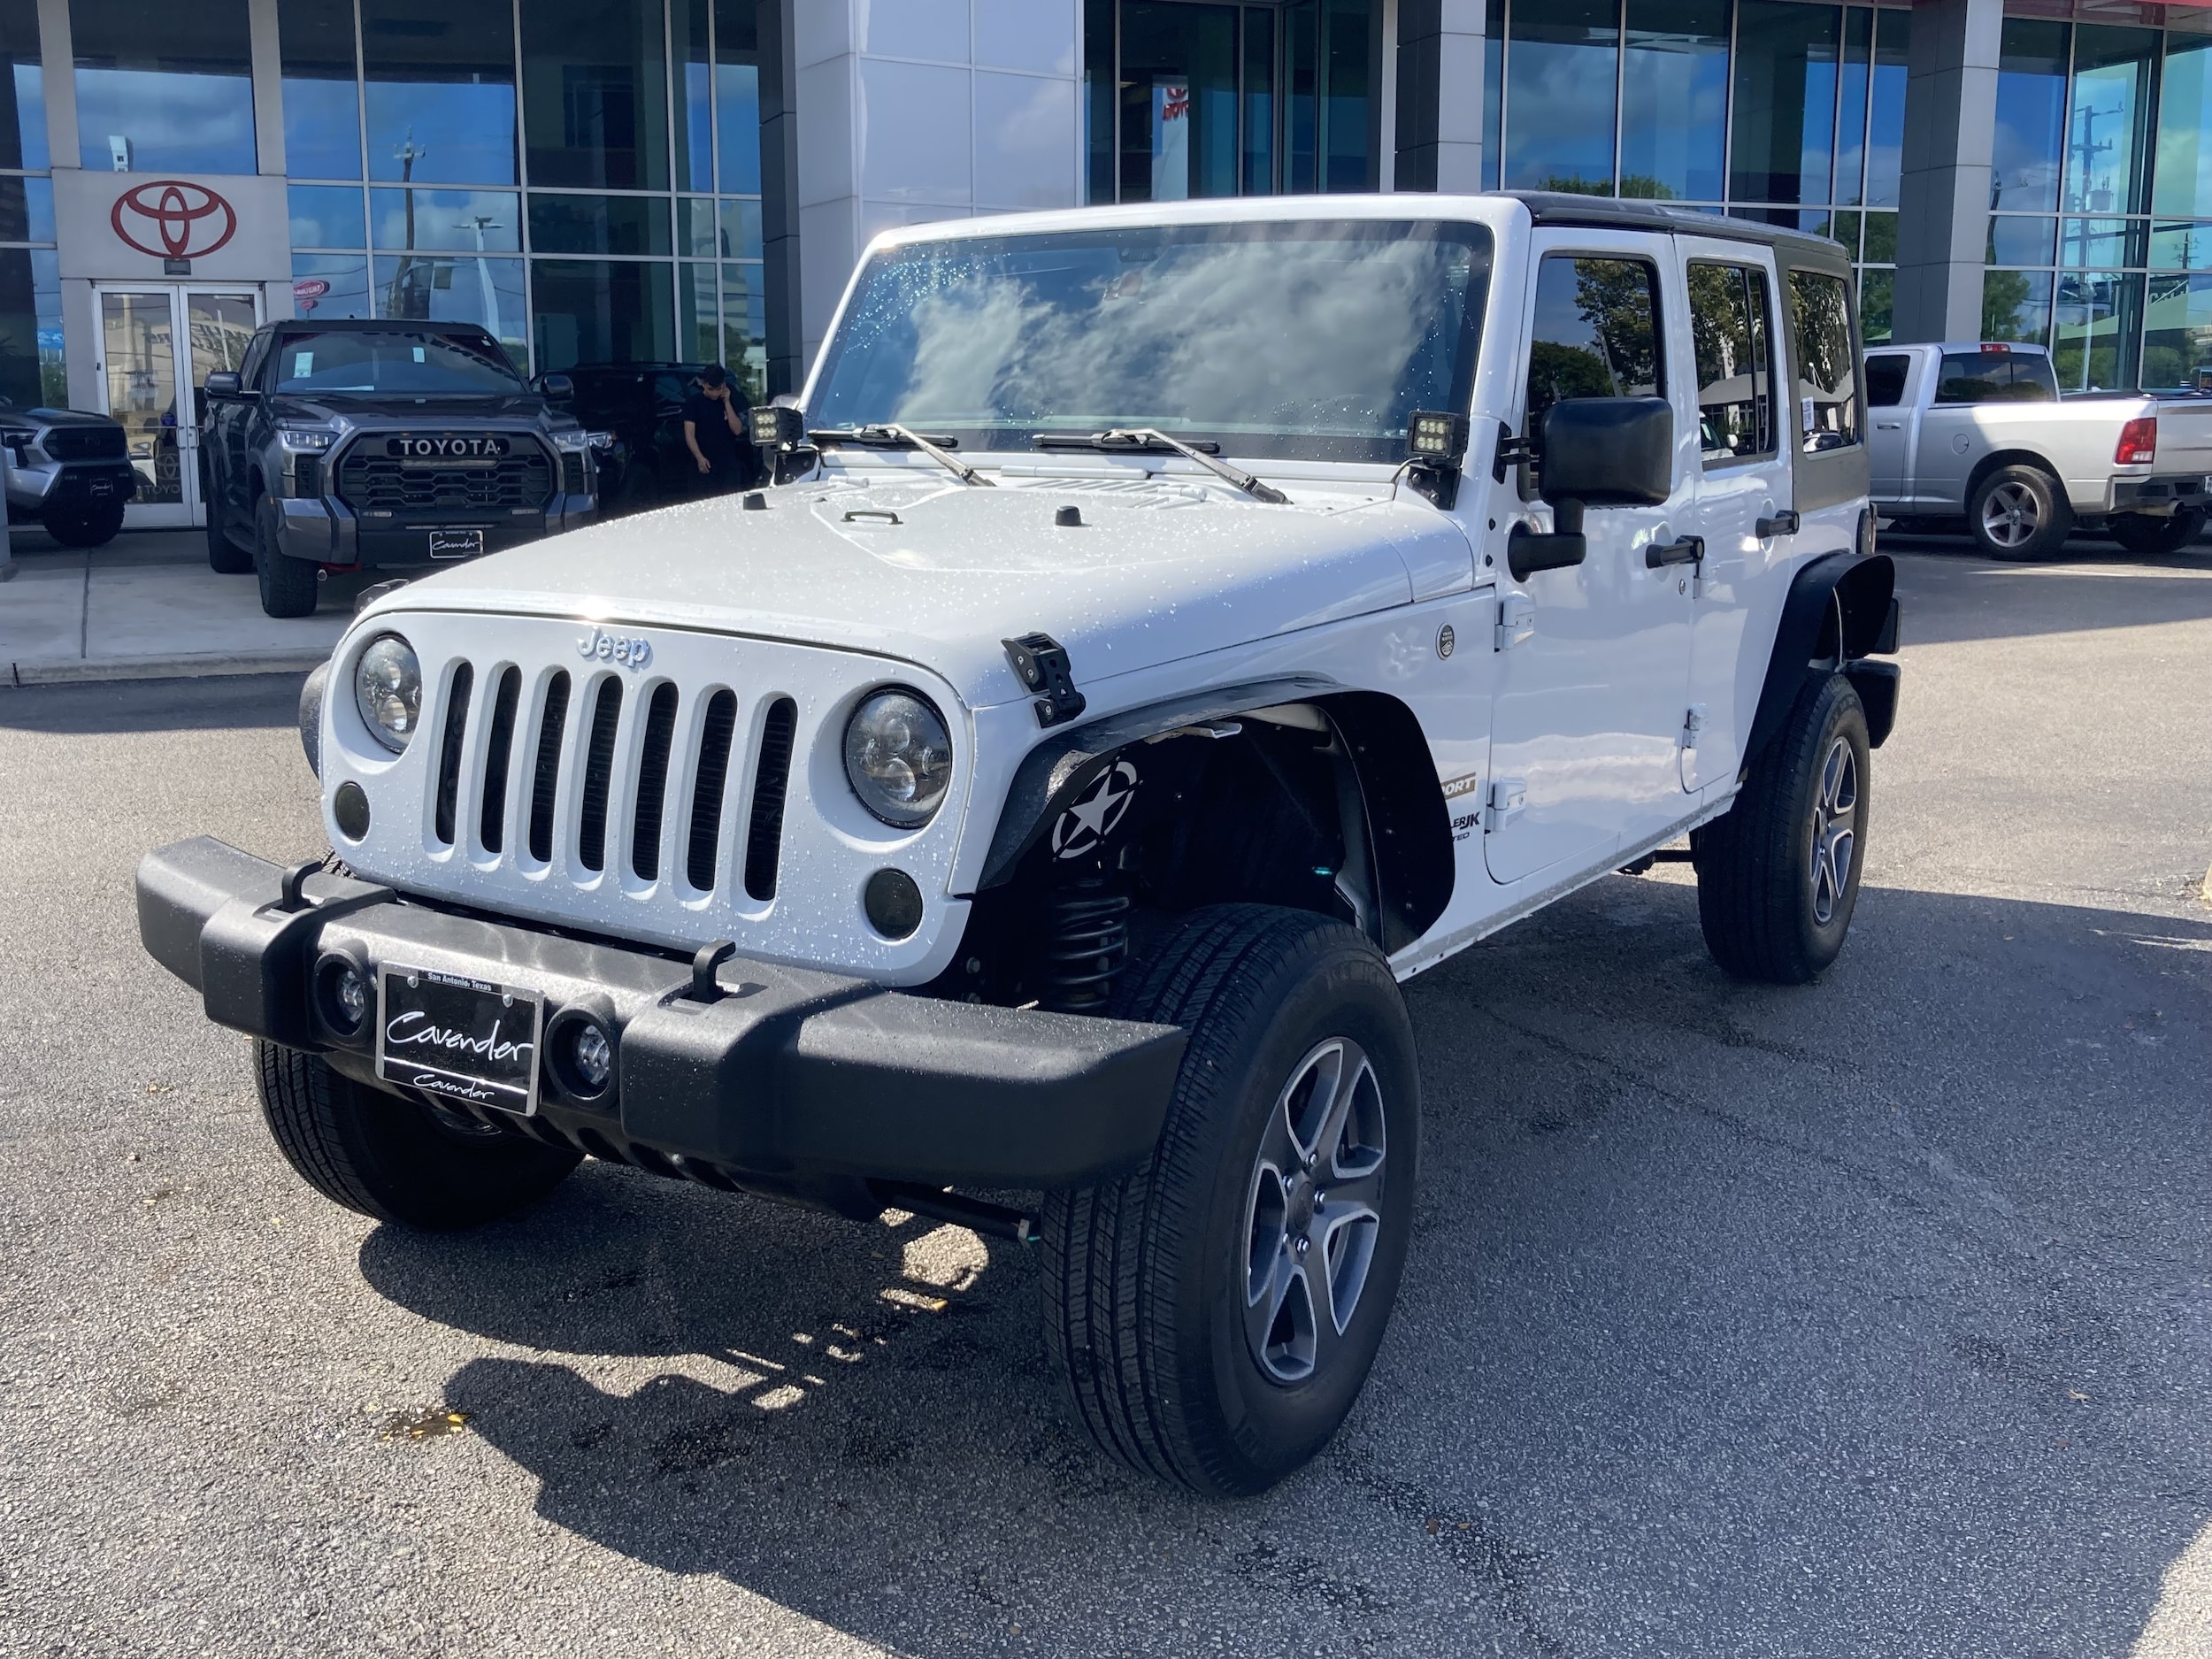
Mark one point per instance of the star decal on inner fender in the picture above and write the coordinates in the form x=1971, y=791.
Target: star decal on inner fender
x=1092, y=819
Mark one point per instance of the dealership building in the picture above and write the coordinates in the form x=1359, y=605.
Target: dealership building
x=681, y=180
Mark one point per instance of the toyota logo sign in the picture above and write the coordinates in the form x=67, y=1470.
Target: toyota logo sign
x=188, y=221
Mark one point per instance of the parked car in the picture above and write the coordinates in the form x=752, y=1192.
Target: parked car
x=1977, y=430
x=641, y=405
x=68, y=471
x=386, y=446
x=1182, y=626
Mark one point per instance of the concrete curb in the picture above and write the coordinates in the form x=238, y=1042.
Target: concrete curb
x=198, y=665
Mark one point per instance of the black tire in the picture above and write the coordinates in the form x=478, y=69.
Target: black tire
x=225, y=557
x=1146, y=1277
x=1760, y=878
x=2141, y=533
x=289, y=585
x=90, y=526
x=392, y=1159
x=2019, y=512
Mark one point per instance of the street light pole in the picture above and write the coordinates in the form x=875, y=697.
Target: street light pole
x=481, y=223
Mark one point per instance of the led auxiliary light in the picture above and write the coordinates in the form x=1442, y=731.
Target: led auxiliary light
x=1434, y=436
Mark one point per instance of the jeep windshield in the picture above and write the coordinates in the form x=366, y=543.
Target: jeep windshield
x=405, y=363
x=1294, y=340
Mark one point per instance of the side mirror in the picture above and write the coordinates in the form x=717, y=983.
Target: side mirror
x=1598, y=452
x=224, y=383
x=555, y=389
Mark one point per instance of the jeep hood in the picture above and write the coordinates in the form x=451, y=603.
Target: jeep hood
x=940, y=573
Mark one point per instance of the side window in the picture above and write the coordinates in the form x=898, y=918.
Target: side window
x=1735, y=396
x=1995, y=377
x=1886, y=380
x=257, y=355
x=1827, y=388
x=1596, y=332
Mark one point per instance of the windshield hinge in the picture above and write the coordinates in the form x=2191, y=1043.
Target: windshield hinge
x=1040, y=663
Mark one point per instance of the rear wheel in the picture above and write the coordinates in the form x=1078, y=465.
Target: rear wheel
x=1214, y=1315
x=391, y=1158
x=1777, y=877
x=92, y=525
x=289, y=585
x=2018, y=512
x=2140, y=533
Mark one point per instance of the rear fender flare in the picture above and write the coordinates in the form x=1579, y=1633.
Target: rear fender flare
x=1838, y=610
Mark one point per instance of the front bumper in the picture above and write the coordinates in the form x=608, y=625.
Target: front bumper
x=326, y=530
x=39, y=485
x=792, y=1080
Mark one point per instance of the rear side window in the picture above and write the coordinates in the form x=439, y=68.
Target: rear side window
x=1735, y=393
x=1827, y=385
x=1886, y=380
x=1996, y=377
x=1596, y=332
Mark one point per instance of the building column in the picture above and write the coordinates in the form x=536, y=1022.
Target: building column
x=1438, y=78
x=1950, y=134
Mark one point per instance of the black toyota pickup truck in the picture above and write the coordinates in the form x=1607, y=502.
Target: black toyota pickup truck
x=383, y=445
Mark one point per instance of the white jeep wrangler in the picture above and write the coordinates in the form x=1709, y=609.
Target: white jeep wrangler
x=1171, y=628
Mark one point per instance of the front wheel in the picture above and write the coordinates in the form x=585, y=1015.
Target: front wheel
x=392, y=1159
x=2141, y=533
x=1777, y=877
x=289, y=585
x=92, y=526
x=1214, y=1315
x=2019, y=512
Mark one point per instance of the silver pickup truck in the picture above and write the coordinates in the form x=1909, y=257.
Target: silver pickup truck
x=1979, y=429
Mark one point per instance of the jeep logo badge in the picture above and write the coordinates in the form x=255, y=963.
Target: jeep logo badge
x=632, y=651
x=483, y=447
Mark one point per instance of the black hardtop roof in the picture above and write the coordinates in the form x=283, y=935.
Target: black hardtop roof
x=375, y=326
x=1561, y=207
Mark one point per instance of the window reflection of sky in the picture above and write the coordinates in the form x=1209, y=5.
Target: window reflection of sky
x=462, y=132
x=174, y=123
x=447, y=219
x=28, y=141
x=322, y=128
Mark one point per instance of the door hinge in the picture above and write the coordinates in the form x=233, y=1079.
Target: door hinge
x=1692, y=723
x=1516, y=620
x=1508, y=797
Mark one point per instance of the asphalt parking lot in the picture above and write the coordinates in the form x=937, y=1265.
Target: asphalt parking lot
x=1873, y=1318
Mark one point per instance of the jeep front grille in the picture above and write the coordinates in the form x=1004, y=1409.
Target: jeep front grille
x=655, y=780
x=647, y=782
x=371, y=483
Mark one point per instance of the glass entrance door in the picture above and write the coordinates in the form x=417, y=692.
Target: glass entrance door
x=158, y=347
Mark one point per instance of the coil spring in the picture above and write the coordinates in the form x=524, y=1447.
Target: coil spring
x=1088, y=944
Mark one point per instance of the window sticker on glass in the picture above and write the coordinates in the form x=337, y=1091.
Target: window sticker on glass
x=419, y=354
x=302, y=365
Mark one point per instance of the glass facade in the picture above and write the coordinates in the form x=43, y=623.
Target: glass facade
x=1777, y=109
x=1185, y=99
x=2100, y=236
x=165, y=88
x=580, y=177
x=31, y=371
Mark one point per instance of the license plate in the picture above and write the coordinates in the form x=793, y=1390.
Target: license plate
x=103, y=487
x=455, y=544
x=462, y=1039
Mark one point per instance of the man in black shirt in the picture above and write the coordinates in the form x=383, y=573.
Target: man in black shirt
x=714, y=432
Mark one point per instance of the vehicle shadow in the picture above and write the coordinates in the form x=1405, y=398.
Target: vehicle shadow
x=1864, y=1317
x=206, y=703
x=1952, y=592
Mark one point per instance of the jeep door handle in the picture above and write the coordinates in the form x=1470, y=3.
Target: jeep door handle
x=1781, y=524
x=1690, y=549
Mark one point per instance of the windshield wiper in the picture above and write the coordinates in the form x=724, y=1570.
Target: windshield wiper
x=1142, y=438
x=889, y=436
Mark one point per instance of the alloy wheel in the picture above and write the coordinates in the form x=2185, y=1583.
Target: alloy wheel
x=2010, y=516
x=1314, y=1211
x=1835, y=830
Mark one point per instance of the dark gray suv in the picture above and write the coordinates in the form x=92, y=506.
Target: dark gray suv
x=383, y=445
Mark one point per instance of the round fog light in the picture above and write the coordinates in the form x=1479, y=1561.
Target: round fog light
x=894, y=904
x=593, y=1056
x=350, y=807
x=344, y=993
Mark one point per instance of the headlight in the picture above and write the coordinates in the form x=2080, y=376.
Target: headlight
x=899, y=757
x=582, y=442
x=303, y=438
x=387, y=690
